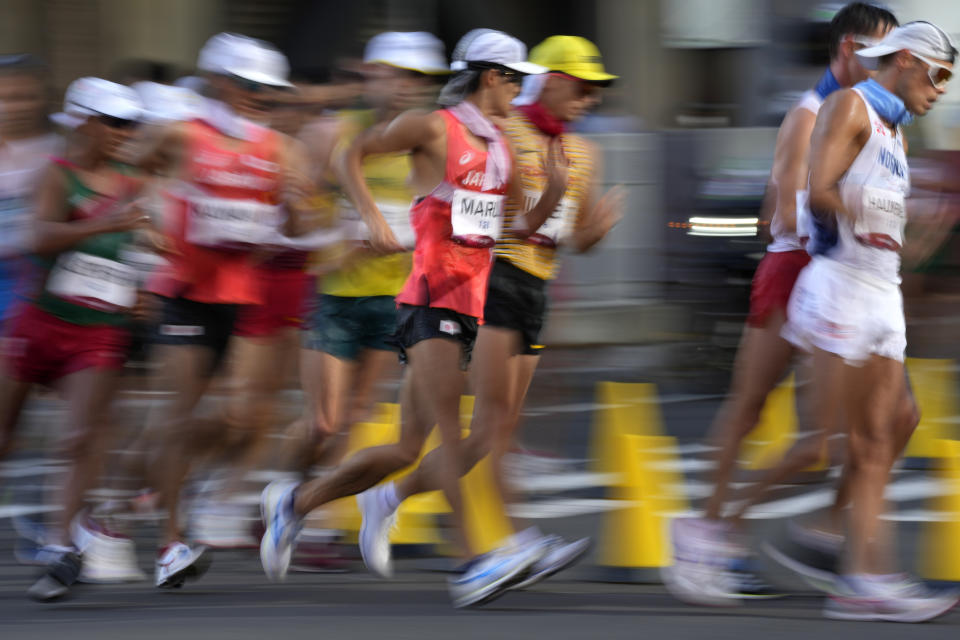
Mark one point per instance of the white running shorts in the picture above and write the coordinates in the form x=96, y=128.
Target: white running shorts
x=835, y=309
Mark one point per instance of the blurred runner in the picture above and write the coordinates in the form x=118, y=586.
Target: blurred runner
x=710, y=567
x=847, y=309
x=508, y=343
x=74, y=333
x=464, y=166
x=238, y=184
x=26, y=144
x=347, y=345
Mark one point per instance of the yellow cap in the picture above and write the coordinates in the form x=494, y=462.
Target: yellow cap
x=572, y=55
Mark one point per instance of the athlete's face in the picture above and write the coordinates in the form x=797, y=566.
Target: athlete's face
x=569, y=98
x=252, y=100
x=22, y=98
x=398, y=89
x=114, y=136
x=506, y=87
x=922, y=82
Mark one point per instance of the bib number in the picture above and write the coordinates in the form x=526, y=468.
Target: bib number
x=93, y=281
x=396, y=215
x=882, y=219
x=476, y=218
x=557, y=228
x=228, y=224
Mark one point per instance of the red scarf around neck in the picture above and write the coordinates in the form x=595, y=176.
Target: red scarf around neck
x=543, y=119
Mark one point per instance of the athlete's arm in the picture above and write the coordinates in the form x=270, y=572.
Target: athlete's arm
x=163, y=150
x=298, y=190
x=557, y=175
x=410, y=131
x=53, y=233
x=597, y=216
x=841, y=130
x=790, y=167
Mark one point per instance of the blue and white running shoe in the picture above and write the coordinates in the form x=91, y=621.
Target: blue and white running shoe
x=282, y=526
x=490, y=575
x=378, y=522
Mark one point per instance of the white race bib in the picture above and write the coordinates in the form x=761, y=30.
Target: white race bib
x=144, y=263
x=223, y=222
x=476, y=217
x=557, y=228
x=803, y=214
x=883, y=215
x=86, y=277
x=17, y=235
x=396, y=215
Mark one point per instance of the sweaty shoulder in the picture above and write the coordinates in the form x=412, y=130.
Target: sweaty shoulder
x=845, y=103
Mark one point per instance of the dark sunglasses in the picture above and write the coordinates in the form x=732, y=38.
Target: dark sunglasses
x=118, y=123
x=510, y=75
x=249, y=85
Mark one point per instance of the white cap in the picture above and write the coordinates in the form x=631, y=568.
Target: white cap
x=248, y=58
x=498, y=48
x=412, y=50
x=920, y=37
x=97, y=97
x=166, y=103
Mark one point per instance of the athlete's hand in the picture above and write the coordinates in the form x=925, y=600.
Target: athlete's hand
x=558, y=167
x=128, y=217
x=382, y=239
x=146, y=307
x=609, y=210
x=157, y=242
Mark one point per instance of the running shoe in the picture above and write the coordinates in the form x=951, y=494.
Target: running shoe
x=107, y=557
x=487, y=577
x=178, y=563
x=282, y=526
x=378, y=521
x=558, y=555
x=61, y=572
x=702, y=558
x=904, y=600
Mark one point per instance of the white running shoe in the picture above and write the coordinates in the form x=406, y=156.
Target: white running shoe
x=558, y=555
x=902, y=601
x=282, y=526
x=701, y=559
x=178, y=563
x=489, y=576
x=378, y=522
x=107, y=558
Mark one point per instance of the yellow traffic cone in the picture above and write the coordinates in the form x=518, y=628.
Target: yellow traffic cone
x=624, y=408
x=940, y=539
x=934, y=383
x=633, y=543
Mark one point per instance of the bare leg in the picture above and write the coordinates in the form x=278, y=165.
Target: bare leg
x=494, y=388
x=369, y=466
x=88, y=394
x=872, y=393
x=185, y=370
x=13, y=395
x=252, y=409
x=520, y=371
x=762, y=359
